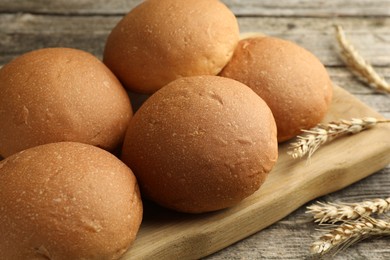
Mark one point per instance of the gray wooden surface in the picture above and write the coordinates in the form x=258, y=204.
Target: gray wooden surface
x=26, y=25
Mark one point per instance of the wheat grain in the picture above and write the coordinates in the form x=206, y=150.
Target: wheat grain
x=358, y=65
x=313, y=138
x=334, y=212
x=348, y=233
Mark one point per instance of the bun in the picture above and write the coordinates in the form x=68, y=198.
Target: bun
x=60, y=94
x=67, y=201
x=201, y=144
x=291, y=80
x=160, y=41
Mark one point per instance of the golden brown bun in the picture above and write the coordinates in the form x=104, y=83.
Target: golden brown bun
x=160, y=41
x=201, y=143
x=291, y=80
x=67, y=201
x=60, y=94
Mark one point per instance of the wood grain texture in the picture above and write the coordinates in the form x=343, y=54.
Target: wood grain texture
x=85, y=24
x=292, y=183
x=20, y=33
x=296, y=8
x=290, y=237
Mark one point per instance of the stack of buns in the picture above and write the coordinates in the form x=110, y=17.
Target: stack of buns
x=205, y=139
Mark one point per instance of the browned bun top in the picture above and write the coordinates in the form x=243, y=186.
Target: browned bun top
x=201, y=144
x=291, y=80
x=60, y=94
x=160, y=41
x=67, y=201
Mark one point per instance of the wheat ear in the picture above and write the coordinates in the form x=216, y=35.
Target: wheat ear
x=313, y=138
x=358, y=65
x=348, y=233
x=334, y=212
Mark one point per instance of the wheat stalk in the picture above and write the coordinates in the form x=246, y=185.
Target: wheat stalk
x=334, y=212
x=358, y=65
x=348, y=233
x=313, y=138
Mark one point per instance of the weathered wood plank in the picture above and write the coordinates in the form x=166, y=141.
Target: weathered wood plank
x=293, y=8
x=379, y=102
x=371, y=37
x=342, y=77
x=66, y=7
x=300, y=8
x=22, y=33
x=291, y=237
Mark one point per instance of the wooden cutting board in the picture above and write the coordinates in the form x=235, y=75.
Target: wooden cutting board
x=165, y=234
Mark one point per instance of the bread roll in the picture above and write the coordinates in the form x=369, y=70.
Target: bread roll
x=201, y=143
x=60, y=94
x=67, y=201
x=160, y=41
x=291, y=80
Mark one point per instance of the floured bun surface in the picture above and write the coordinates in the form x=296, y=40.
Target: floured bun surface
x=201, y=144
x=60, y=94
x=160, y=41
x=291, y=80
x=67, y=201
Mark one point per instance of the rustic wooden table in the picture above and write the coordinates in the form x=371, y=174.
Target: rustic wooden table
x=26, y=25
